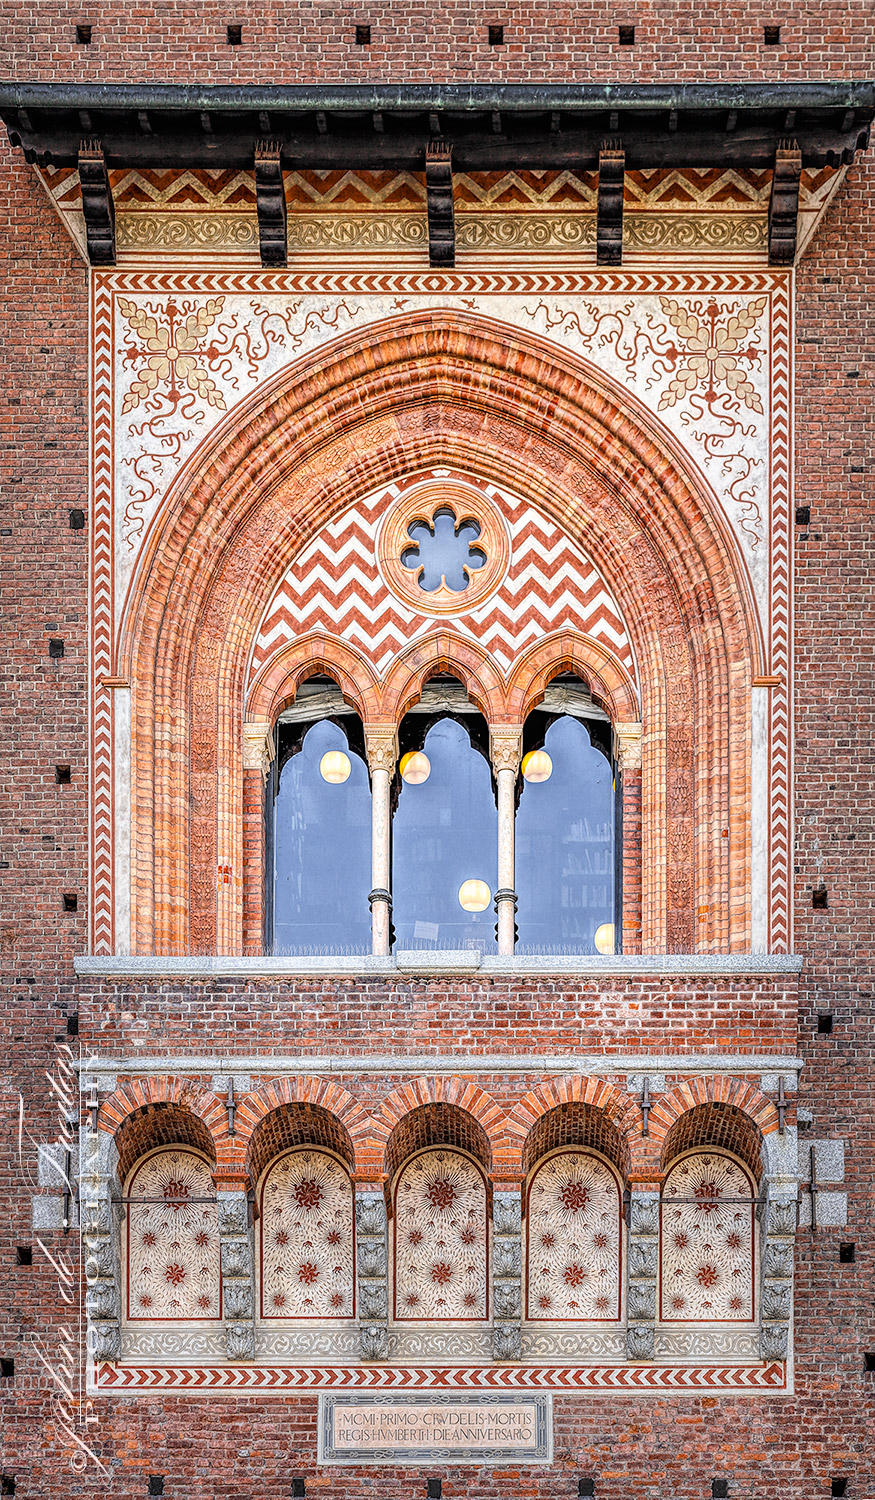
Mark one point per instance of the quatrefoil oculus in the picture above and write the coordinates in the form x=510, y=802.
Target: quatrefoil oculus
x=443, y=548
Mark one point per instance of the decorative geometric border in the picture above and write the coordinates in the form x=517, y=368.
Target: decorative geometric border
x=778, y=286
x=633, y=1380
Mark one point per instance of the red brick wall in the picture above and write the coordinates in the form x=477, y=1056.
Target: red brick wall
x=297, y=43
x=639, y=1449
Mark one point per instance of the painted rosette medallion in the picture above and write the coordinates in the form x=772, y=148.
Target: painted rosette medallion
x=172, y=1241
x=573, y=1241
x=440, y=1240
x=307, y=1239
x=707, y=1241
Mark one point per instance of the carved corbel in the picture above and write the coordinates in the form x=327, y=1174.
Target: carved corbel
x=784, y=204
x=627, y=746
x=439, y=196
x=258, y=746
x=609, y=218
x=97, y=205
x=270, y=201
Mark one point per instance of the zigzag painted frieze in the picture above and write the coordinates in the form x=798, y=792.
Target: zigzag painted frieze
x=336, y=584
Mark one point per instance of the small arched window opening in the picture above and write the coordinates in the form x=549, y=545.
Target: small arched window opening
x=440, y=1239
x=567, y=866
x=172, y=1249
x=707, y=1240
x=445, y=827
x=307, y=1238
x=319, y=827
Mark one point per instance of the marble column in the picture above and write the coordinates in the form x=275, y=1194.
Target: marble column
x=382, y=749
x=505, y=750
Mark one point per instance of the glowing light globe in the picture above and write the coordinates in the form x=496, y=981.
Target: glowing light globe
x=335, y=767
x=604, y=938
x=474, y=895
x=537, y=766
x=415, y=767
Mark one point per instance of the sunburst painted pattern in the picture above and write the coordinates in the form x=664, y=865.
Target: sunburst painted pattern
x=440, y=1240
x=173, y=1240
x=707, y=1242
x=307, y=1239
x=335, y=585
x=573, y=1241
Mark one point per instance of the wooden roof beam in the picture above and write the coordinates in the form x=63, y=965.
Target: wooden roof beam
x=97, y=206
x=784, y=204
x=609, y=217
x=270, y=200
x=439, y=197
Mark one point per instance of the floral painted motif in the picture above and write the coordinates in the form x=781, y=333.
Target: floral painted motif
x=707, y=1242
x=170, y=352
x=307, y=1241
x=573, y=1241
x=173, y=1240
x=712, y=351
x=440, y=1240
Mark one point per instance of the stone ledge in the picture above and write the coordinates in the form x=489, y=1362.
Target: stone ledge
x=436, y=963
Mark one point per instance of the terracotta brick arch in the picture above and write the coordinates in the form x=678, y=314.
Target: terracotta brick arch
x=319, y=652
x=144, y=1113
x=574, y=1101
x=713, y=1111
x=438, y=387
x=299, y=1111
x=443, y=651
x=609, y=683
x=394, y=1124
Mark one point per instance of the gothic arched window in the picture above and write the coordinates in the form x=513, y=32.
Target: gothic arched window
x=707, y=1239
x=321, y=862
x=307, y=1238
x=445, y=835
x=565, y=854
x=573, y=1240
x=440, y=1239
x=172, y=1239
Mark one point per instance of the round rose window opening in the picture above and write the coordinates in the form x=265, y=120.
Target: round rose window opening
x=443, y=549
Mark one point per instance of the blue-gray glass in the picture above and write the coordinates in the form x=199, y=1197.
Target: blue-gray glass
x=565, y=847
x=322, y=852
x=444, y=553
x=445, y=832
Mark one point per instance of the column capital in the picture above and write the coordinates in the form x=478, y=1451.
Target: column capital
x=505, y=747
x=381, y=744
x=627, y=746
x=258, y=746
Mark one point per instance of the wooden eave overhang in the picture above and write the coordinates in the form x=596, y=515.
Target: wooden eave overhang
x=478, y=128
x=490, y=127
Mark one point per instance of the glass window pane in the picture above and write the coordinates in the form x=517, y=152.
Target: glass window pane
x=565, y=847
x=445, y=834
x=322, y=858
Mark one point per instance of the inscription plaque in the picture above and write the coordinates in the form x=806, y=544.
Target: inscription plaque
x=427, y=1426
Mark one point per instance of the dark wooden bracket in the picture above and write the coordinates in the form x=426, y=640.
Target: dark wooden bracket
x=439, y=195
x=609, y=220
x=270, y=201
x=784, y=204
x=97, y=205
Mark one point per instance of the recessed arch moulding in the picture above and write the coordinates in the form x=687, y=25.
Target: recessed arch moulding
x=509, y=413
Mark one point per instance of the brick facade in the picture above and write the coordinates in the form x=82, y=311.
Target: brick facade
x=547, y=1061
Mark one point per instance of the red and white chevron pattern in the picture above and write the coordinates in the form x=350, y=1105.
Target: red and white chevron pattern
x=634, y=1379
x=335, y=584
x=102, y=609
x=781, y=664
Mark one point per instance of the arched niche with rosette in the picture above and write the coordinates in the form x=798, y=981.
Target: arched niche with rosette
x=573, y=1240
x=440, y=1240
x=708, y=1241
x=307, y=1238
x=172, y=1240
